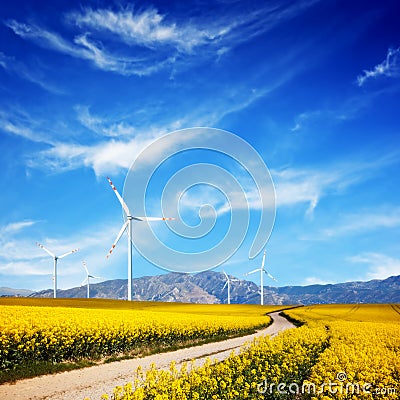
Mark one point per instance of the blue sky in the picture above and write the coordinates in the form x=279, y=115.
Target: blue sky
x=313, y=86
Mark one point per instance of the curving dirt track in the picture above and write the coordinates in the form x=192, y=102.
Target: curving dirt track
x=94, y=381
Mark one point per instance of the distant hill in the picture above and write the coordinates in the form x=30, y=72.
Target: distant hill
x=206, y=287
x=5, y=291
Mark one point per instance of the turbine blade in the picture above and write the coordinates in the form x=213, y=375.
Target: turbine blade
x=226, y=275
x=268, y=274
x=118, y=237
x=121, y=200
x=47, y=251
x=153, y=219
x=67, y=254
x=263, y=259
x=254, y=270
x=95, y=277
x=84, y=282
x=225, y=285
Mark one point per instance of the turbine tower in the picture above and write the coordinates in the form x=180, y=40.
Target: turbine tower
x=127, y=226
x=55, y=258
x=228, y=283
x=262, y=271
x=87, y=279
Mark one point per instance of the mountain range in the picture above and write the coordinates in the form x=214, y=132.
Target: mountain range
x=9, y=292
x=208, y=287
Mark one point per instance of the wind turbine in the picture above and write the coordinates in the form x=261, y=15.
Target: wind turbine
x=127, y=226
x=228, y=283
x=87, y=279
x=262, y=271
x=55, y=258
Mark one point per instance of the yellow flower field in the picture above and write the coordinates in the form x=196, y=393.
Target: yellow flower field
x=363, y=357
x=341, y=352
x=34, y=330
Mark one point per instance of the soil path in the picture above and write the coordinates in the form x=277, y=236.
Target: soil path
x=92, y=382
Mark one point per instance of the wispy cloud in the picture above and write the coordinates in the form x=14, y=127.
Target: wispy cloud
x=12, y=66
x=117, y=142
x=115, y=150
x=308, y=186
x=225, y=199
x=15, y=227
x=19, y=123
x=12, y=242
x=84, y=48
x=104, y=157
x=150, y=29
x=46, y=39
x=380, y=266
x=158, y=41
x=102, y=126
x=364, y=222
x=147, y=28
x=390, y=67
x=19, y=255
x=347, y=109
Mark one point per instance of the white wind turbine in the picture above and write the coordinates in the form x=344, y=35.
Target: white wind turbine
x=228, y=283
x=86, y=281
x=55, y=258
x=128, y=226
x=262, y=271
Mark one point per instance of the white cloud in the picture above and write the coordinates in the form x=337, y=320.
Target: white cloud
x=20, y=125
x=312, y=280
x=200, y=196
x=15, y=227
x=24, y=268
x=150, y=29
x=146, y=28
x=20, y=256
x=101, y=126
x=294, y=186
x=159, y=40
x=364, y=222
x=380, y=265
x=46, y=39
x=390, y=67
x=296, y=128
x=303, y=119
x=347, y=109
x=22, y=131
x=120, y=142
x=89, y=50
x=15, y=67
x=104, y=157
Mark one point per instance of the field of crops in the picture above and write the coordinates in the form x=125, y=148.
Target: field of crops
x=341, y=352
x=56, y=330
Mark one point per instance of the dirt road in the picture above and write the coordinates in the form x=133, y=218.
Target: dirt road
x=94, y=381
